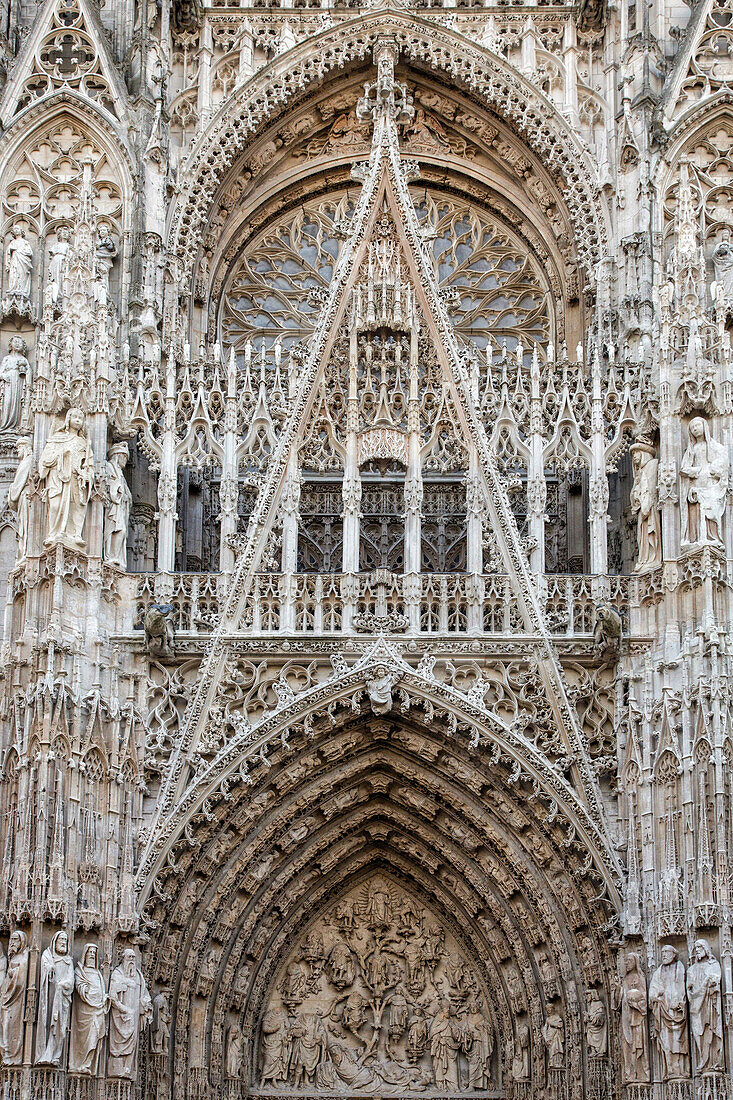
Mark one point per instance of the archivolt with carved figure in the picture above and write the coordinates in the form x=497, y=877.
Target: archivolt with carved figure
x=365, y=421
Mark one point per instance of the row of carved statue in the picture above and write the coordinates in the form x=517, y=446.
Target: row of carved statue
x=66, y=471
x=75, y=1008
x=19, y=266
x=682, y=1003
x=704, y=478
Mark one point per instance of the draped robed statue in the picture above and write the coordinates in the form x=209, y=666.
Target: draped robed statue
x=67, y=469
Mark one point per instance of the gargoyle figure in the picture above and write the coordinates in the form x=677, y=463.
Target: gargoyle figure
x=607, y=634
x=160, y=635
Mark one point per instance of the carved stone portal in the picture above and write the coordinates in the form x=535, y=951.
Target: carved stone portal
x=377, y=995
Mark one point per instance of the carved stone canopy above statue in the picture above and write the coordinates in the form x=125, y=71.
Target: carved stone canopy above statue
x=377, y=996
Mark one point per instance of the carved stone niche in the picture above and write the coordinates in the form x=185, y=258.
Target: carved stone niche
x=377, y=998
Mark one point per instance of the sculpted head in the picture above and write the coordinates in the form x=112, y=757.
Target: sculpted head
x=60, y=943
x=75, y=419
x=669, y=954
x=18, y=345
x=697, y=428
x=17, y=942
x=89, y=957
x=631, y=962
x=701, y=951
x=129, y=961
x=24, y=446
x=120, y=454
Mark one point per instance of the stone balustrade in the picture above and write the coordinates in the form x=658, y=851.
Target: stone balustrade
x=408, y=604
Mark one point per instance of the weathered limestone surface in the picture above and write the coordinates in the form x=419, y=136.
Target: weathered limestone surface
x=366, y=550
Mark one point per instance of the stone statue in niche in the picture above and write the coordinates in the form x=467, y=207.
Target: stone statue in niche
x=58, y=256
x=722, y=288
x=553, y=1032
x=377, y=997
x=18, y=493
x=520, y=1061
x=632, y=1002
x=105, y=254
x=12, y=1000
x=117, y=507
x=706, y=1016
x=668, y=1002
x=54, y=1001
x=233, y=1060
x=14, y=373
x=88, y=1014
x=160, y=1032
x=130, y=1008
x=18, y=266
x=596, y=1027
x=67, y=468
x=645, y=503
x=704, y=475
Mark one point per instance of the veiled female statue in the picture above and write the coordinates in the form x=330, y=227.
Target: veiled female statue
x=89, y=1013
x=12, y=1000
x=704, y=477
x=54, y=1002
x=67, y=467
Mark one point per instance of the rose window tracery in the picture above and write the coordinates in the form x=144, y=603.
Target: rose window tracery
x=495, y=289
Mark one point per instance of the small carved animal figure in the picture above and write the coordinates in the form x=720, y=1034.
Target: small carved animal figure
x=160, y=635
x=607, y=634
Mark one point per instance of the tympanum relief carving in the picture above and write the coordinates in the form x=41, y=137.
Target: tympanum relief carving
x=377, y=995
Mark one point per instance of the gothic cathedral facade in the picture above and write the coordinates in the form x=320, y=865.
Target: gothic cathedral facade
x=366, y=550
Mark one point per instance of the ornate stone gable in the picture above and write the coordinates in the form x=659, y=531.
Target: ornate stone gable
x=365, y=551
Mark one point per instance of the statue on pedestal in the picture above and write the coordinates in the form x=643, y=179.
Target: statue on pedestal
x=58, y=254
x=89, y=1013
x=14, y=371
x=117, y=507
x=706, y=1012
x=645, y=503
x=18, y=266
x=67, y=468
x=668, y=1003
x=18, y=493
x=12, y=1000
x=704, y=475
x=130, y=1008
x=632, y=1002
x=54, y=1004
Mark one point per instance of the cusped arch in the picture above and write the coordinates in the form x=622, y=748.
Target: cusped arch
x=393, y=798
x=204, y=782
x=485, y=76
x=23, y=130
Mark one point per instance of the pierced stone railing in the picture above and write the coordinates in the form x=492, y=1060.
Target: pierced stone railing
x=358, y=603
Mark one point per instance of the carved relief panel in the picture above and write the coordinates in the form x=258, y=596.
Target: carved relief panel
x=377, y=996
